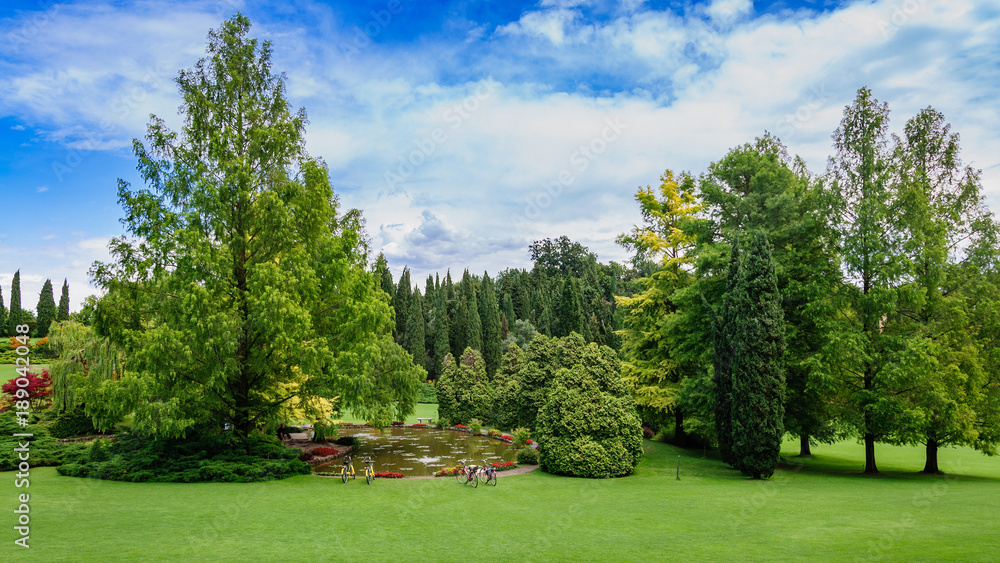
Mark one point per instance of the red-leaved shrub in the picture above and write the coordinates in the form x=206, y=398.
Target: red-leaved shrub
x=323, y=451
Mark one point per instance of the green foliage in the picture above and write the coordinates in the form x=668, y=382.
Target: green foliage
x=725, y=329
x=197, y=458
x=463, y=390
x=401, y=302
x=351, y=441
x=758, y=369
x=427, y=394
x=489, y=312
x=323, y=430
x=63, y=313
x=43, y=449
x=569, y=319
x=15, y=315
x=527, y=456
x=414, y=337
x=3, y=316
x=475, y=425
x=72, y=423
x=521, y=335
x=46, y=309
x=505, y=410
x=521, y=436
x=239, y=276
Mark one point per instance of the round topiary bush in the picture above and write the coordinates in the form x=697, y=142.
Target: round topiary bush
x=527, y=456
x=589, y=426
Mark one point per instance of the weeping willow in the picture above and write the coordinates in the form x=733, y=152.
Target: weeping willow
x=85, y=368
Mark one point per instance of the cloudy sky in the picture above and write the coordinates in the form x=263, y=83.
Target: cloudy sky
x=465, y=129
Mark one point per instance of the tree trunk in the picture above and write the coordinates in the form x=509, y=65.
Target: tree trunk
x=931, y=463
x=870, y=468
x=679, y=438
x=804, y=450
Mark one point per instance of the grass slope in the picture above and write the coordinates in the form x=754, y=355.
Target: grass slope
x=820, y=510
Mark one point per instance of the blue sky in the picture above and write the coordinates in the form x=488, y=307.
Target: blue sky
x=466, y=129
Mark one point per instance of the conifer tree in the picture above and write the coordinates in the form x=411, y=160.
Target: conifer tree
x=489, y=312
x=569, y=318
x=63, y=314
x=442, y=345
x=15, y=316
x=758, y=369
x=475, y=323
x=413, y=338
x=401, y=303
x=3, y=315
x=507, y=309
x=724, y=346
x=46, y=310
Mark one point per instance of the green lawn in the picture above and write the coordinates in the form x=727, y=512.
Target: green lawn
x=822, y=510
x=423, y=411
x=8, y=371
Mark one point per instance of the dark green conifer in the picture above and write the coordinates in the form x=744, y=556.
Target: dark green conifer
x=489, y=313
x=46, y=310
x=63, y=314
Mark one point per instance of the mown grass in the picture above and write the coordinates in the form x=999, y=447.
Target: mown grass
x=819, y=510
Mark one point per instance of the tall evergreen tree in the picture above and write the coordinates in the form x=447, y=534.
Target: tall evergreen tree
x=15, y=315
x=442, y=332
x=507, y=309
x=63, y=314
x=568, y=318
x=401, y=302
x=489, y=312
x=413, y=338
x=475, y=323
x=758, y=368
x=3, y=315
x=46, y=309
x=724, y=351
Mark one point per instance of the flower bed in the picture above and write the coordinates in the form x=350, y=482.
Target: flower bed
x=462, y=426
x=419, y=425
x=507, y=437
x=388, y=475
x=396, y=423
x=499, y=466
x=323, y=451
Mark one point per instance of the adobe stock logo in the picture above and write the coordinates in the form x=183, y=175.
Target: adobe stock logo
x=361, y=37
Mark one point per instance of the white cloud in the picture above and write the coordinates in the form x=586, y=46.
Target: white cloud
x=42, y=189
x=18, y=128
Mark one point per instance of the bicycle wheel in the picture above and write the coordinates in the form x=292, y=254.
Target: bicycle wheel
x=343, y=474
x=474, y=480
x=463, y=478
x=492, y=480
x=368, y=476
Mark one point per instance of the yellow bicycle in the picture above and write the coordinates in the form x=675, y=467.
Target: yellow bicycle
x=347, y=470
x=369, y=469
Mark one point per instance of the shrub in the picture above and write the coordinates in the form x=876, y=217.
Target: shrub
x=463, y=391
x=347, y=441
x=97, y=452
x=72, y=423
x=527, y=456
x=448, y=472
x=521, y=436
x=396, y=423
x=323, y=452
x=186, y=460
x=647, y=433
x=494, y=433
x=418, y=425
x=475, y=425
x=45, y=450
x=442, y=423
x=306, y=456
x=427, y=394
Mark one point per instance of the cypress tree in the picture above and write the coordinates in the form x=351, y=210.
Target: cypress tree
x=401, y=303
x=15, y=316
x=442, y=345
x=507, y=308
x=489, y=312
x=3, y=315
x=723, y=330
x=413, y=338
x=458, y=315
x=63, y=314
x=475, y=325
x=46, y=310
x=758, y=369
x=569, y=319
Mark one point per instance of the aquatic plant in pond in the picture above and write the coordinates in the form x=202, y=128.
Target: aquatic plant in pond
x=421, y=451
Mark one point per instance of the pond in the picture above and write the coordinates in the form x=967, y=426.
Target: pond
x=420, y=451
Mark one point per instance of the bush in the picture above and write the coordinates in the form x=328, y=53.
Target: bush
x=442, y=423
x=72, y=423
x=475, y=425
x=44, y=449
x=448, y=472
x=521, y=436
x=323, y=431
x=97, y=452
x=323, y=452
x=427, y=394
x=397, y=423
x=494, y=433
x=306, y=456
x=463, y=391
x=527, y=456
x=193, y=459
x=647, y=433
x=347, y=441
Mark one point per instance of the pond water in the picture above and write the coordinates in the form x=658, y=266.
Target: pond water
x=419, y=451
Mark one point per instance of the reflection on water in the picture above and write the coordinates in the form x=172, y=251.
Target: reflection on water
x=420, y=451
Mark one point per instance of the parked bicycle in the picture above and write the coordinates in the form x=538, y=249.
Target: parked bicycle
x=488, y=473
x=347, y=470
x=468, y=474
x=369, y=469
